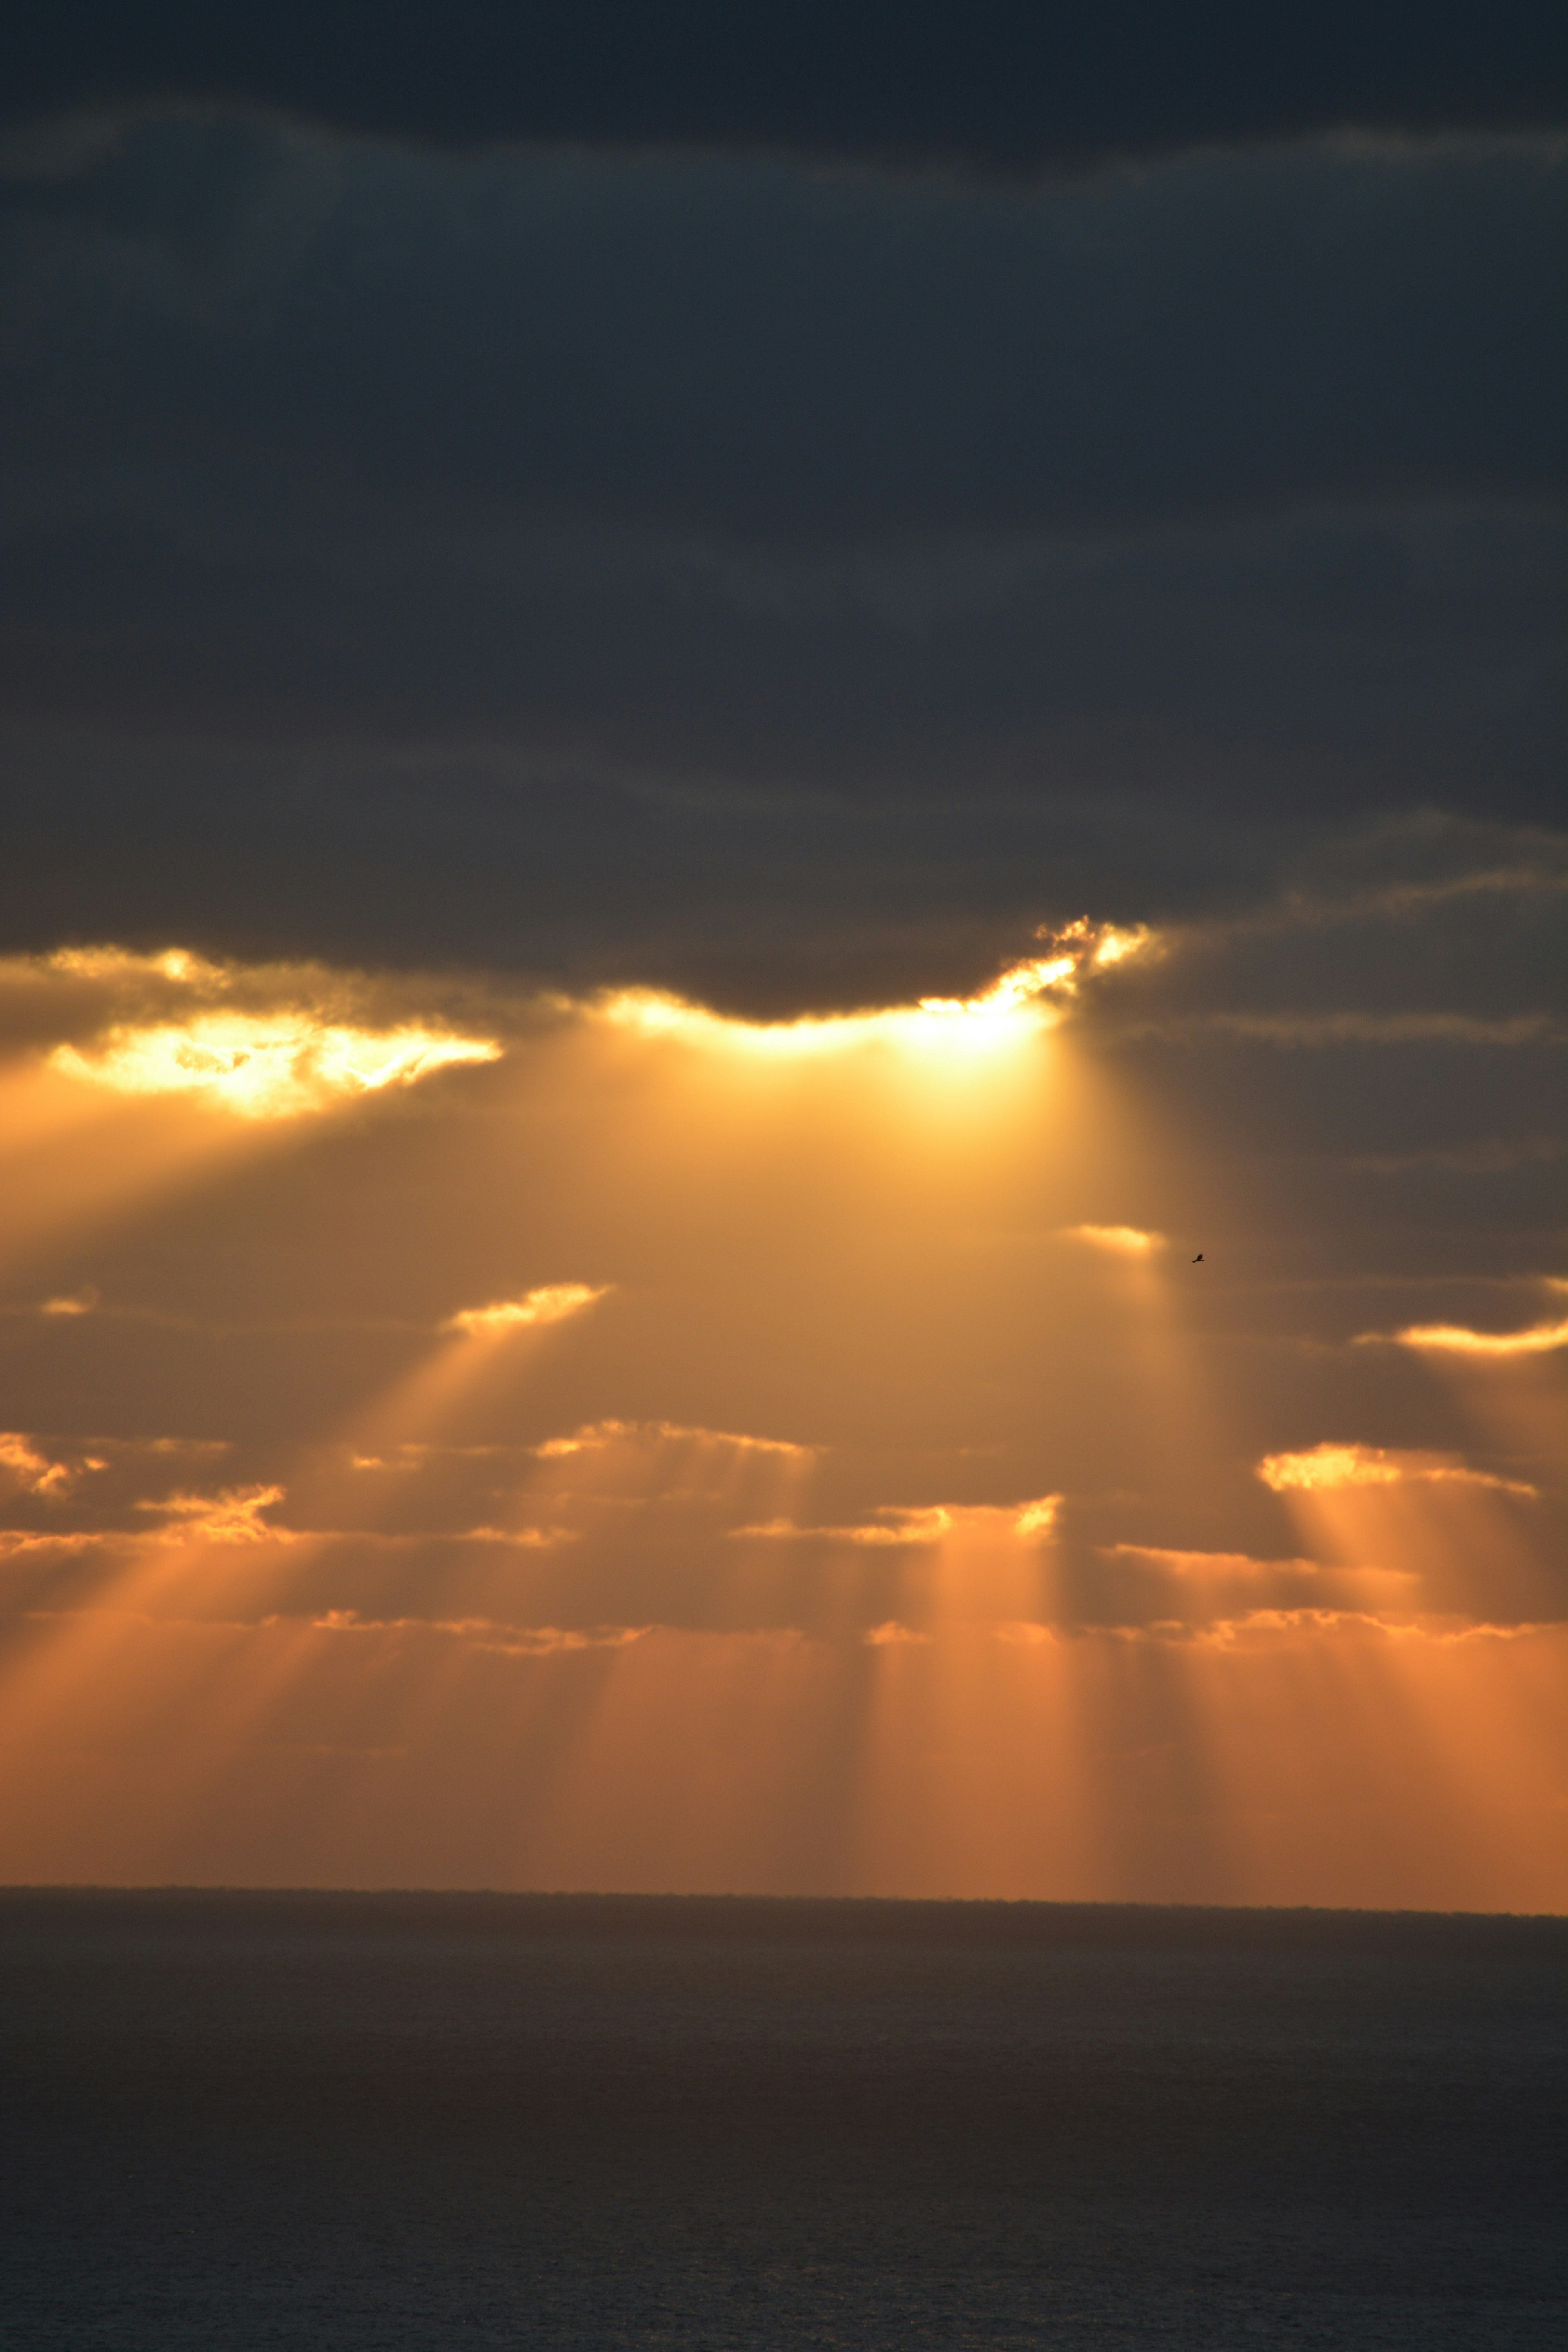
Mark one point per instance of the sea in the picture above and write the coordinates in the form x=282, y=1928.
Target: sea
x=336, y=2121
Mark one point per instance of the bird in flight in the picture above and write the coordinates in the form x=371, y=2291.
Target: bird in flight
x=1199, y=1259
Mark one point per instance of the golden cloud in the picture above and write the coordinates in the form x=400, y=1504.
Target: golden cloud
x=232, y=1516
x=1123, y=1241
x=1457, y=1338
x=552, y=1304
x=931, y=1523
x=266, y=1066
x=1039, y=1518
x=1015, y=1005
x=1199, y=1564
x=1285, y=1627
x=36, y=1473
x=595, y=1435
x=115, y=963
x=487, y=1633
x=1330, y=1465
x=891, y=1525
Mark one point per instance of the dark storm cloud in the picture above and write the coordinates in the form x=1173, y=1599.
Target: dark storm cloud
x=780, y=588
x=997, y=86
x=739, y=352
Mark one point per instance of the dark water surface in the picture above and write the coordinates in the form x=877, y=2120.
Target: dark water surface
x=341, y=2120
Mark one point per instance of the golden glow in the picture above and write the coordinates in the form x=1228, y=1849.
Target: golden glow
x=1454, y=1339
x=73, y=1157
x=1339, y=1759
x=266, y=1066
x=1123, y=1241
x=1341, y=1762
x=525, y=1606
x=552, y=1304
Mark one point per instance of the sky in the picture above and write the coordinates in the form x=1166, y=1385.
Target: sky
x=781, y=966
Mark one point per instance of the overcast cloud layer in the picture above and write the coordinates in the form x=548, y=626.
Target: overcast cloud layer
x=1003, y=87
x=570, y=561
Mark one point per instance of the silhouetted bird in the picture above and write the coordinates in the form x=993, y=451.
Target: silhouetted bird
x=1199, y=1259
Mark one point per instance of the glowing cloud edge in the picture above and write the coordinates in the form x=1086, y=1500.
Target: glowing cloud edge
x=553, y=1302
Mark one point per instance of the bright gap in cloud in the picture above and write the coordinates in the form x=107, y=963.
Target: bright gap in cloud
x=1012, y=1008
x=266, y=1065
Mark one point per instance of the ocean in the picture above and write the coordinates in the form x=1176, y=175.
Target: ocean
x=338, y=2121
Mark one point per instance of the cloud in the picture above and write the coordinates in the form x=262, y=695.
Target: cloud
x=895, y=1524
x=1122, y=1241
x=892, y=1525
x=1170, y=1585
x=266, y=1067
x=595, y=1436
x=1203, y=1564
x=232, y=1516
x=1021, y=999
x=920, y=420
x=1333, y=1466
x=1285, y=1628
x=34, y=1471
x=486, y=1634
x=318, y=643
x=1454, y=1339
x=1002, y=91
x=1486, y=1156
x=261, y=1042
x=91, y=999
x=1039, y=1518
x=1322, y=1029
x=522, y=1538
x=552, y=1304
